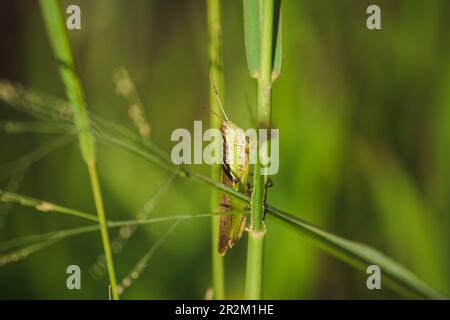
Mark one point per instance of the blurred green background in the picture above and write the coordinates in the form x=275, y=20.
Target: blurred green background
x=364, y=119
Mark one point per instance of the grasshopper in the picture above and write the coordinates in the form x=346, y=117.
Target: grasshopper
x=235, y=174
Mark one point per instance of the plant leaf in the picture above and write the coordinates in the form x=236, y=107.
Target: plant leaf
x=277, y=36
x=252, y=16
x=360, y=256
x=252, y=35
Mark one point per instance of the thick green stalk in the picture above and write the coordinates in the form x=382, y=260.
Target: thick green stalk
x=59, y=41
x=216, y=73
x=253, y=283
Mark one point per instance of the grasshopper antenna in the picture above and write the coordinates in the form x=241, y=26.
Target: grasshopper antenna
x=217, y=115
x=217, y=96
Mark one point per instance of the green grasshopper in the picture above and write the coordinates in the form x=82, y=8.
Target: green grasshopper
x=235, y=174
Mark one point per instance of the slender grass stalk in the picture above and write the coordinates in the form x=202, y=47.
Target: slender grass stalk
x=25, y=251
x=19, y=127
x=126, y=88
x=13, y=185
x=142, y=264
x=43, y=206
x=59, y=41
x=253, y=283
x=216, y=73
x=33, y=156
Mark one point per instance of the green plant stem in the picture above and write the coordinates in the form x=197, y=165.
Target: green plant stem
x=253, y=284
x=216, y=73
x=59, y=41
x=43, y=206
x=103, y=228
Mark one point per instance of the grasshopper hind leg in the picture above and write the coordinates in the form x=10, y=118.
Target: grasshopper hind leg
x=224, y=224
